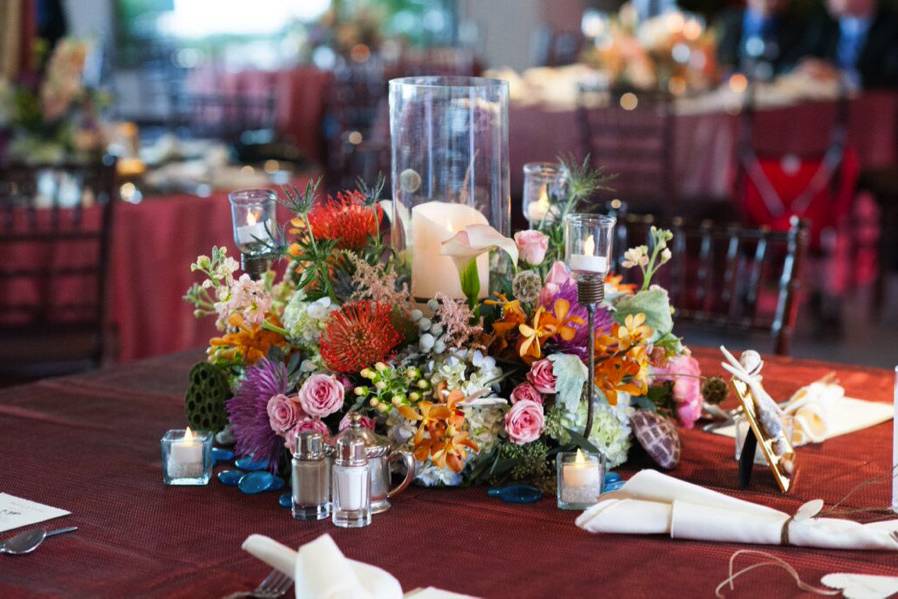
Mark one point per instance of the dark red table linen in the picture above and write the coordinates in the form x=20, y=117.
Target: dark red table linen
x=90, y=444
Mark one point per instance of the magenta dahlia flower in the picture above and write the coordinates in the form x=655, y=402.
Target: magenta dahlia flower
x=248, y=412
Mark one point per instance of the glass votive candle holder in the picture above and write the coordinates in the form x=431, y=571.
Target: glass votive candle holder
x=544, y=186
x=580, y=477
x=186, y=458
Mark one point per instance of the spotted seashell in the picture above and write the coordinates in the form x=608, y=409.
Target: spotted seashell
x=658, y=436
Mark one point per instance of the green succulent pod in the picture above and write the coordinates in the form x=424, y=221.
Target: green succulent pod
x=204, y=401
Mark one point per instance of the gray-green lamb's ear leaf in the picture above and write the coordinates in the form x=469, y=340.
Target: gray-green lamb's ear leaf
x=652, y=302
x=570, y=374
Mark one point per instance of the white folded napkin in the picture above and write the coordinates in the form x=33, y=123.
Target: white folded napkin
x=822, y=411
x=654, y=503
x=321, y=571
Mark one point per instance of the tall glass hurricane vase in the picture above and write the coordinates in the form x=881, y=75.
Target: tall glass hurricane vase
x=450, y=171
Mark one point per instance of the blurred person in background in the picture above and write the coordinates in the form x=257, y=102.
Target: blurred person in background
x=760, y=40
x=856, y=40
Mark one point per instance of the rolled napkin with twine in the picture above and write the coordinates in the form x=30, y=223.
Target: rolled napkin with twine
x=654, y=503
x=320, y=570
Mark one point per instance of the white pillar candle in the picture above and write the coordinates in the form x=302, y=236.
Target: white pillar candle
x=186, y=457
x=432, y=224
x=895, y=446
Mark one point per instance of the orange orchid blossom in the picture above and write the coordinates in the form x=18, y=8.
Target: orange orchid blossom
x=562, y=311
x=615, y=282
x=250, y=341
x=439, y=435
x=622, y=359
x=544, y=326
x=513, y=316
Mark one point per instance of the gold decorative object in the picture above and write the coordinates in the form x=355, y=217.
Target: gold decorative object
x=769, y=424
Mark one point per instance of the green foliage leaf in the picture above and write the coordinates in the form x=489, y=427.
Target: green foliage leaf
x=470, y=281
x=654, y=303
x=583, y=443
x=570, y=374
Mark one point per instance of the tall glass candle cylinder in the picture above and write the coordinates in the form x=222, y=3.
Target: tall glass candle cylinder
x=449, y=171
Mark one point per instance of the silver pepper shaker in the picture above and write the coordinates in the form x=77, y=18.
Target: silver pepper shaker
x=310, y=477
x=351, y=487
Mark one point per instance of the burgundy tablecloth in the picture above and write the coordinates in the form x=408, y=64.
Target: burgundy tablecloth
x=153, y=245
x=90, y=444
x=705, y=144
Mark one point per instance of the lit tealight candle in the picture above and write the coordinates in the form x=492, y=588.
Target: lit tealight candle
x=252, y=231
x=538, y=211
x=186, y=458
x=587, y=261
x=581, y=473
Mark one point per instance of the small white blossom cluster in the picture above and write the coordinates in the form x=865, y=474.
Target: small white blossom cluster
x=469, y=371
x=305, y=321
x=649, y=263
x=610, y=428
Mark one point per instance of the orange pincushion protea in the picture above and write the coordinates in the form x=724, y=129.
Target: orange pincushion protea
x=358, y=335
x=345, y=219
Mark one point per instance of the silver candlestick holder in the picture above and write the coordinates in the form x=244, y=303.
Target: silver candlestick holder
x=587, y=244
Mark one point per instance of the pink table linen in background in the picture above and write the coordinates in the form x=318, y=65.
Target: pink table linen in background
x=706, y=144
x=300, y=95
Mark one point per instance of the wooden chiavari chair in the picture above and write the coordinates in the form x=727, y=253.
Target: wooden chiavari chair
x=727, y=277
x=55, y=224
x=630, y=133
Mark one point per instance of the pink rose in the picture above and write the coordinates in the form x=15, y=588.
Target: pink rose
x=687, y=389
x=305, y=424
x=532, y=246
x=555, y=280
x=524, y=422
x=321, y=395
x=542, y=376
x=525, y=392
x=365, y=421
x=283, y=413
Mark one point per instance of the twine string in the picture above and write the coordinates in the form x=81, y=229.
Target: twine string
x=774, y=561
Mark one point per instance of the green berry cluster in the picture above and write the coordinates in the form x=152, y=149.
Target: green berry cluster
x=530, y=460
x=391, y=387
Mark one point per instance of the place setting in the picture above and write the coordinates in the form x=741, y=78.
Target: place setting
x=364, y=300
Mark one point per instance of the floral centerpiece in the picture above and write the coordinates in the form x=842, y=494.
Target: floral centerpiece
x=477, y=390
x=671, y=52
x=57, y=119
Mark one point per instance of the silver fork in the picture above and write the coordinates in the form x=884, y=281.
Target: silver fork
x=274, y=586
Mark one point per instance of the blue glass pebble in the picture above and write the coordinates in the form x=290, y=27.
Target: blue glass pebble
x=230, y=477
x=516, y=493
x=255, y=482
x=222, y=455
x=249, y=464
x=611, y=477
x=613, y=486
x=277, y=483
x=285, y=500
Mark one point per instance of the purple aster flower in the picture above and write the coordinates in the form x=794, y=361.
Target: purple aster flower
x=248, y=412
x=577, y=345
